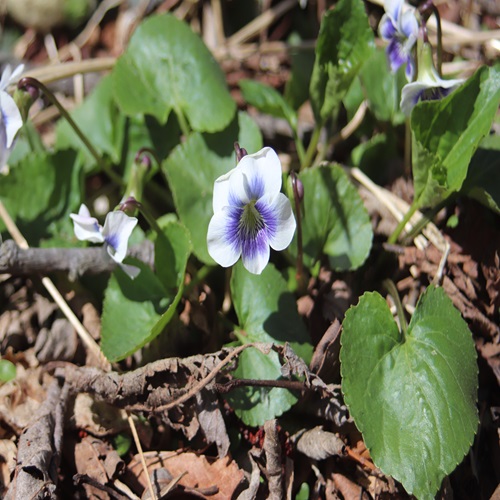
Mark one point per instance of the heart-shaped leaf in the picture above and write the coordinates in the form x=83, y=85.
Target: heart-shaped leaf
x=40, y=192
x=334, y=220
x=167, y=67
x=192, y=169
x=412, y=396
x=345, y=41
x=136, y=311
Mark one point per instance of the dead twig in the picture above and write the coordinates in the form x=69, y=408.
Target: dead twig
x=20, y=261
x=39, y=448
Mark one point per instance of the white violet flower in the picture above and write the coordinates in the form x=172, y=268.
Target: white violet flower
x=429, y=86
x=400, y=29
x=10, y=116
x=250, y=213
x=117, y=229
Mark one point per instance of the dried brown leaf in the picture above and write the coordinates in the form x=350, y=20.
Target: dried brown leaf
x=319, y=444
x=200, y=473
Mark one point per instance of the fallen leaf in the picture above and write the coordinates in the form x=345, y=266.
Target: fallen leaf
x=200, y=472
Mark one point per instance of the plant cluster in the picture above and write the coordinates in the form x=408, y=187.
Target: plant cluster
x=187, y=171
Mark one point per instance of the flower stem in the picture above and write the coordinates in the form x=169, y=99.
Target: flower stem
x=301, y=152
x=186, y=129
x=29, y=81
x=399, y=228
x=393, y=292
x=311, y=149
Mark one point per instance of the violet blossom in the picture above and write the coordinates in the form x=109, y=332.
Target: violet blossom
x=250, y=213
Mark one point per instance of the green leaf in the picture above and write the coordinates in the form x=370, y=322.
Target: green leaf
x=7, y=370
x=446, y=134
x=40, y=192
x=136, y=311
x=255, y=405
x=302, y=62
x=268, y=100
x=165, y=68
x=382, y=88
x=334, y=220
x=413, y=398
x=192, y=169
x=483, y=178
x=345, y=41
x=267, y=312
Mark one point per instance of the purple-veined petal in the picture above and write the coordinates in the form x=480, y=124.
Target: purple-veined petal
x=386, y=28
x=255, y=252
x=86, y=227
x=279, y=210
x=222, y=237
x=409, y=25
x=410, y=69
x=262, y=171
x=410, y=95
x=221, y=191
x=396, y=54
x=11, y=117
x=393, y=9
x=118, y=227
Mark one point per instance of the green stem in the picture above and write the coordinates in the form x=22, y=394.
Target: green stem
x=311, y=149
x=149, y=218
x=393, y=292
x=301, y=152
x=400, y=227
x=28, y=81
x=186, y=129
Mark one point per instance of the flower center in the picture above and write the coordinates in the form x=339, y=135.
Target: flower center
x=251, y=221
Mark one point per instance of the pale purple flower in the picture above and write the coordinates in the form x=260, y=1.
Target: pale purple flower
x=250, y=213
x=400, y=29
x=429, y=86
x=10, y=116
x=116, y=232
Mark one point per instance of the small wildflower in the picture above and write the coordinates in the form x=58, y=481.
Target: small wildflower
x=250, y=213
x=117, y=229
x=429, y=85
x=10, y=117
x=400, y=29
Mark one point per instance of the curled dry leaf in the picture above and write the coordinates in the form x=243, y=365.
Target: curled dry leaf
x=97, y=417
x=99, y=461
x=319, y=444
x=59, y=343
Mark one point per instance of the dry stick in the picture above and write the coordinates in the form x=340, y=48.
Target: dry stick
x=261, y=22
x=84, y=335
x=141, y=454
x=205, y=381
x=54, y=72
